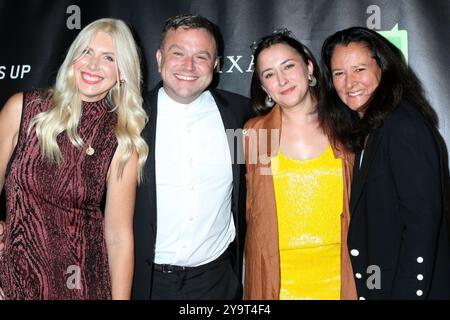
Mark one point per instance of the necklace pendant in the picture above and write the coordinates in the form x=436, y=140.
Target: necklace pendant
x=90, y=151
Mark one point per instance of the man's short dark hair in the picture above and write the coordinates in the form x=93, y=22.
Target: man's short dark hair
x=190, y=21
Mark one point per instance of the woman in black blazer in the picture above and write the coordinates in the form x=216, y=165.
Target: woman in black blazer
x=398, y=236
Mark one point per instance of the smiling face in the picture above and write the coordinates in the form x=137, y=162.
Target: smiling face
x=284, y=75
x=186, y=63
x=356, y=75
x=96, y=69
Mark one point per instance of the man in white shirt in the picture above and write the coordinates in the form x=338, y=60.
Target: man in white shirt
x=190, y=210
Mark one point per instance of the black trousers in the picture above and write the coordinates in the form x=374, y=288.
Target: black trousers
x=213, y=281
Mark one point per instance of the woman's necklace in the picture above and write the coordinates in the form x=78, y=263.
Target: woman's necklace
x=88, y=150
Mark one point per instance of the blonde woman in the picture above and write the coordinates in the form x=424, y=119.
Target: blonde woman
x=62, y=152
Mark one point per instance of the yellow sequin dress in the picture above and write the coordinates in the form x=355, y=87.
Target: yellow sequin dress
x=309, y=200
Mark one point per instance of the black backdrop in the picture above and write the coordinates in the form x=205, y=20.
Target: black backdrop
x=35, y=35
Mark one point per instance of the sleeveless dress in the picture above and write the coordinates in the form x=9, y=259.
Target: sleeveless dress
x=55, y=246
x=309, y=200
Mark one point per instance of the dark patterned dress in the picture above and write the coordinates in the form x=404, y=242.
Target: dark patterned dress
x=55, y=246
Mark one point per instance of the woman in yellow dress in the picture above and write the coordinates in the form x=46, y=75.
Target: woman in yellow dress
x=298, y=182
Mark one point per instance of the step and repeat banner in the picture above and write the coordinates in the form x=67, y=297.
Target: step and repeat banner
x=35, y=35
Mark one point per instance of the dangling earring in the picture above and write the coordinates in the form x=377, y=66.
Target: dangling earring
x=269, y=101
x=312, y=81
x=121, y=82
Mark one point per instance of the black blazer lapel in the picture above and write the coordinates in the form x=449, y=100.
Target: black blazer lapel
x=360, y=174
x=230, y=122
x=145, y=208
x=149, y=134
x=228, y=118
x=153, y=114
x=235, y=143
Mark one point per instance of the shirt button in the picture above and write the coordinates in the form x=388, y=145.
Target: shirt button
x=354, y=252
x=419, y=293
x=419, y=277
x=358, y=275
x=362, y=298
x=419, y=259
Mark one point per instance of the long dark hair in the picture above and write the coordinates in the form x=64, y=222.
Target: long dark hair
x=284, y=36
x=398, y=82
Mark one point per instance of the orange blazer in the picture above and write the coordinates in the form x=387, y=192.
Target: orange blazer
x=262, y=258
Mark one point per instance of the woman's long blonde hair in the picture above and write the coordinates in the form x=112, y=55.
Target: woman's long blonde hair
x=124, y=98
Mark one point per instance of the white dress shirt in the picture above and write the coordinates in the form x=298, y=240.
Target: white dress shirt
x=194, y=182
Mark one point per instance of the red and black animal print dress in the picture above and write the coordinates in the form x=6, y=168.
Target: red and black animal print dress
x=55, y=246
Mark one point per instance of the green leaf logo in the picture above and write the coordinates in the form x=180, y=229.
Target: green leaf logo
x=399, y=38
